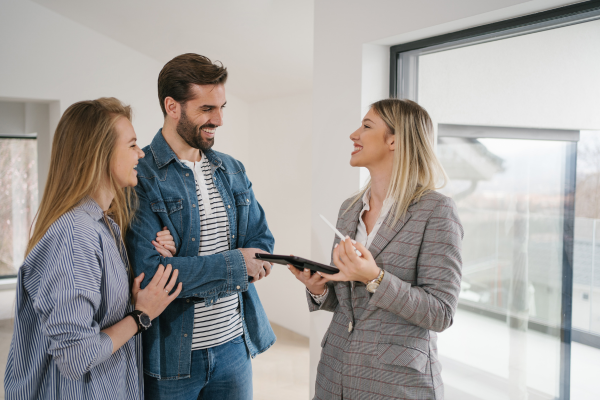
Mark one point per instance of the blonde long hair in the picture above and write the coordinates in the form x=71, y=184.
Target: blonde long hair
x=416, y=168
x=82, y=149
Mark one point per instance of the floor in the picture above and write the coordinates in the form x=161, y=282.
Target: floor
x=482, y=358
x=279, y=373
x=474, y=355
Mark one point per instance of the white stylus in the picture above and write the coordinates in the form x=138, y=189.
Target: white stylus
x=338, y=233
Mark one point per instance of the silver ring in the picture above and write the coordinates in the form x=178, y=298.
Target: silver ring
x=166, y=291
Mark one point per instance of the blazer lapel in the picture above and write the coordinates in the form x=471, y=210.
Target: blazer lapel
x=386, y=233
x=347, y=224
x=349, y=220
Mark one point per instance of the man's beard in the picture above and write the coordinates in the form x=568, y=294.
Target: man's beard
x=191, y=133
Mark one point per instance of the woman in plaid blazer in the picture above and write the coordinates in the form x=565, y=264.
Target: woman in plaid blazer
x=390, y=301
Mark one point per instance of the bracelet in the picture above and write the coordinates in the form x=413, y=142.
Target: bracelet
x=319, y=297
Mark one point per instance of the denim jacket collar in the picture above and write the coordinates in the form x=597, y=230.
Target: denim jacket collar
x=163, y=154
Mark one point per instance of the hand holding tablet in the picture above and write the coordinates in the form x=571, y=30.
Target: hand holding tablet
x=298, y=262
x=302, y=263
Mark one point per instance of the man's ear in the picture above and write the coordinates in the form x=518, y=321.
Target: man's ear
x=172, y=108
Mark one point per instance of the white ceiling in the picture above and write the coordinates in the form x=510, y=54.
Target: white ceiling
x=267, y=45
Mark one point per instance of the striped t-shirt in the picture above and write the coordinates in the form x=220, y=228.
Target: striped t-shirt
x=220, y=322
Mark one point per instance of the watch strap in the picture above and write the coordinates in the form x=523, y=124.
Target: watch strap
x=135, y=314
x=379, y=277
x=373, y=284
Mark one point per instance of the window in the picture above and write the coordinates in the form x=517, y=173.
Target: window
x=515, y=108
x=19, y=188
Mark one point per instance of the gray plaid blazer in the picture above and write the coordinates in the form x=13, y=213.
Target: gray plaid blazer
x=383, y=345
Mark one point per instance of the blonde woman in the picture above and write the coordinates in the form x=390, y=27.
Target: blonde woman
x=389, y=303
x=75, y=334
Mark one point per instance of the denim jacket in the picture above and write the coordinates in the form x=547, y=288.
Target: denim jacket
x=167, y=192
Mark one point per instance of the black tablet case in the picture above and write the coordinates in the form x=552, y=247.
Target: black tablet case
x=297, y=262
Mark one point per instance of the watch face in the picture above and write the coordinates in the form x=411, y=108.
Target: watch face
x=145, y=320
x=372, y=286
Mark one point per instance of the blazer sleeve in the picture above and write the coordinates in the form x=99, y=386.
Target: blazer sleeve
x=431, y=303
x=329, y=304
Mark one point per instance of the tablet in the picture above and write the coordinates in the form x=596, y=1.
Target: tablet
x=297, y=262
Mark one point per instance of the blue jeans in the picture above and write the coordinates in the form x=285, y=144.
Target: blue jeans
x=221, y=372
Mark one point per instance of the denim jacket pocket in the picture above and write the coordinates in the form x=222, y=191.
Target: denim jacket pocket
x=242, y=204
x=172, y=208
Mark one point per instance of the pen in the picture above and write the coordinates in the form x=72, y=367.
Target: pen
x=338, y=233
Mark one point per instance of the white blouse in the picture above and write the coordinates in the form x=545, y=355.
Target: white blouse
x=361, y=229
x=361, y=232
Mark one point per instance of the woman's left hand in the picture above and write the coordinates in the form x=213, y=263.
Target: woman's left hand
x=164, y=243
x=351, y=266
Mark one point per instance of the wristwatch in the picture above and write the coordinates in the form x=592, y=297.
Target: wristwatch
x=374, y=284
x=141, y=319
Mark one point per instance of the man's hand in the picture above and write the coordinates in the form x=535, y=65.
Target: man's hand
x=257, y=269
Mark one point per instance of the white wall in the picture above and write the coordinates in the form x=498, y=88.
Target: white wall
x=279, y=165
x=12, y=117
x=233, y=137
x=55, y=62
x=56, y=59
x=46, y=56
x=342, y=28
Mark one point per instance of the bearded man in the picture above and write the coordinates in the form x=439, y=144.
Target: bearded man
x=201, y=345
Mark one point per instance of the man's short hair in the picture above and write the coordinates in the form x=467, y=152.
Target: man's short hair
x=181, y=72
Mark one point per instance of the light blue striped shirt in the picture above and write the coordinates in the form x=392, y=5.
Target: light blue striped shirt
x=73, y=284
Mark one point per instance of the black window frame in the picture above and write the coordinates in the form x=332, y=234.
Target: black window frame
x=493, y=28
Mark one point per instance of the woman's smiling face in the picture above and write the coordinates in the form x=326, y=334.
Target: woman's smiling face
x=373, y=142
x=126, y=154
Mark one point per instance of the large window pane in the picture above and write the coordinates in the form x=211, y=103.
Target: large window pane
x=522, y=246
x=510, y=195
x=19, y=187
x=586, y=277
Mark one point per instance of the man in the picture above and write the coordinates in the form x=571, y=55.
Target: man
x=201, y=345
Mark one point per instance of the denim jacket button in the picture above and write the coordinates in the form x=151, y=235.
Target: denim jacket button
x=187, y=301
x=238, y=287
x=247, y=201
x=187, y=174
x=228, y=206
x=193, y=206
x=193, y=239
x=233, y=236
x=185, y=335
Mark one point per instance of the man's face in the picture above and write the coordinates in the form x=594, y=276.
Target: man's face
x=201, y=116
